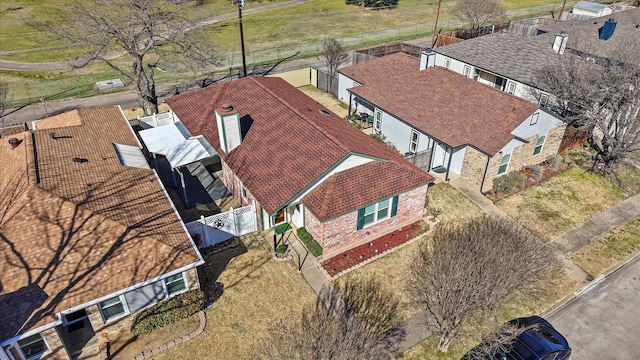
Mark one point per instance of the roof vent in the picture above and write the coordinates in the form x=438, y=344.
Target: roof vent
x=325, y=112
x=79, y=160
x=606, y=31
x=52, y=135
x=226, y=107
x=14, y=142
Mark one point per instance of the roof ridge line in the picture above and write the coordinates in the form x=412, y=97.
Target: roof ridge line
x=301, y=115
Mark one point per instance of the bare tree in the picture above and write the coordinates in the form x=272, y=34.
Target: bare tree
x=154, y=34
x=470, y=268
x=376, y=307
x=494, y=343
x=333, y=54
x=602, y=94
x=478, y=13
x=329, y=330
x=4, y=102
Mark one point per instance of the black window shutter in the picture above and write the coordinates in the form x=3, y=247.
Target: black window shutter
x=394, y=206
x=360, y=219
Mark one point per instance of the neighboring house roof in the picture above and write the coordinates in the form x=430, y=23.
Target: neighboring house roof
x=450, y=107
x=507, y=54
x=379, y=69
x=75, y=231
x=589, y=6
x=584, y=34
x=290, y=141
x=521, y=57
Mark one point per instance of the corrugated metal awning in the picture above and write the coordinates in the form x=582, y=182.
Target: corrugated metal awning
x=175, y=143
x=131, y=156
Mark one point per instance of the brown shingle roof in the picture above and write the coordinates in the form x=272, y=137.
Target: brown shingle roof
x=377, y=70
x=85, y=230
x=288, y=143
x=452, y=108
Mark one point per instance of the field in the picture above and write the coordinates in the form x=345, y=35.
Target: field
x=292, y=31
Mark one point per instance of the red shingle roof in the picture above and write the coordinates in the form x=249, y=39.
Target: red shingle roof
x=451, y=107
x=73, y=232
x=378, y=70
x=289, y=141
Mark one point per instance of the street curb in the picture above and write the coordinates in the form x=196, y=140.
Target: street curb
x=584, y=289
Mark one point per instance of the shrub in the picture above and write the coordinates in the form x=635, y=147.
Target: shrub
x=554, y=161
x=508, y=183
x=308, y=241
x=373, y=3
x=282, y=248
x=536, y=171
x=282, y=228
x=167, y=312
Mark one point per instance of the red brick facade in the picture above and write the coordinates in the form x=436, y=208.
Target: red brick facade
x=342, y=231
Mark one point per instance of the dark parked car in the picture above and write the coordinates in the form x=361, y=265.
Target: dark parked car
x=539, y=340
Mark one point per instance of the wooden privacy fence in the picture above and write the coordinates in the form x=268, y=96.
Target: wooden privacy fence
x=217, y=228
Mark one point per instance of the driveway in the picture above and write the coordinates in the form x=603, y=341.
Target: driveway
x=604, y=321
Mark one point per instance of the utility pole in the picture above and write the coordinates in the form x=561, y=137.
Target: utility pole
x=435, y=26
x=244, y=61
x=562, y=10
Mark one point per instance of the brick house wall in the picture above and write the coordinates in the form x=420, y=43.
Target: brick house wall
x=342, y=231
x=53, y=340
x=232, y=183
x=523, y=155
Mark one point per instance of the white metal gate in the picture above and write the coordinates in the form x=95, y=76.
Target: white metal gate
x=221, y=227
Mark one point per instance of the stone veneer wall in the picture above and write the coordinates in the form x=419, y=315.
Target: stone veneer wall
x=53, y=340
x=473, y=166
x=342, y=231
x=523, y=155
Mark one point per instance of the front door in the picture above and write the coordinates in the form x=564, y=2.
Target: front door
x=279, y=217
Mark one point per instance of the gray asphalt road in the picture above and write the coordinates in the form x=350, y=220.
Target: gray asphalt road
x=604, y=321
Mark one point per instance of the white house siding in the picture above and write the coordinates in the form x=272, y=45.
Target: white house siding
x=544, y=123
x=297, y=215
x=521, y=90
x=345, y=83
x=457, y=160
x=399, y=134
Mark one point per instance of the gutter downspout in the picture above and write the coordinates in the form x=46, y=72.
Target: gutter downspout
x=446, y=177
x=433, y=149
x=350, y=100
x=484, y=176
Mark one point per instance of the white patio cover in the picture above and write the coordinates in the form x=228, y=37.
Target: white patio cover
x=175, y=142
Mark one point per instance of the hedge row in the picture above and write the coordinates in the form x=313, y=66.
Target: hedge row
x=168, y=312
x=309, y=242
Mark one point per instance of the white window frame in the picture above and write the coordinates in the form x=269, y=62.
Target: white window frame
x=166, y=286
x=476, y=74
x=544, y=100
x=243, y=191
x=447, y=63
x=505, y=164
x=534, y=119
x=376, y=211
x=413, y=141
x=377, y=120
x=34, y=356
x=466, y=70
x=539, y=145
x=511, y=87
x=125, y=306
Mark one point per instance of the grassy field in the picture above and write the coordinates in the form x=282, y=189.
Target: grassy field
x=269, y=36
x=608, y=250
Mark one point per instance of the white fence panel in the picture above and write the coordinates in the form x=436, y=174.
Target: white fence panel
x=224, y=226
x=156, y=120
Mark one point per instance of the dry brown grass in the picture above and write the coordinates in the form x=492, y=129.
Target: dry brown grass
x=562, y=202
x=329, y=101
x=453, y=204
x=257, y=291
x=608, y=250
